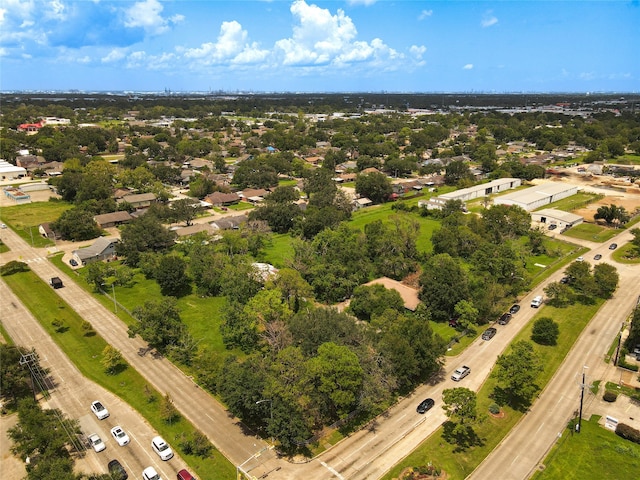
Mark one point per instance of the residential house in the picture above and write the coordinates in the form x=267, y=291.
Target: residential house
x=229, y=223
x=47, y=232
x=219, y=199
x=104, y=248
x=254, y=195
x=138, y=200
x=112, y=219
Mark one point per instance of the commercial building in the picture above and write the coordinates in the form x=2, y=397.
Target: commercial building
x=537, y=196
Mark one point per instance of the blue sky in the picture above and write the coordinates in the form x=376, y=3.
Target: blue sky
x=319, y=46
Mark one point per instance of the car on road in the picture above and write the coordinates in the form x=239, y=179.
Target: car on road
x=425, y=405
x=73, y=263
x=515, y=308
x=117, y=471
x=96, y=442
x=613, y=246
x=184, y=475
x=536, y=302
x=2, y=225
x=161, y=448
x=597, y=257
x=150, y=473
x=460, y=372
x=504, y=318
x=580, y=259
x=120, y=435
x=489, y=333
x=99, y=410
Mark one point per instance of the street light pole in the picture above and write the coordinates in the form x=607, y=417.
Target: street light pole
x=582, y=387
x=115, y=304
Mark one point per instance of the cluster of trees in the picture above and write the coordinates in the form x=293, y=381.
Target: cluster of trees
x=583, y=284
x=478, y=260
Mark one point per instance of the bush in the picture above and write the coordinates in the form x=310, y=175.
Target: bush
x=494, y=408
x=628, y=433
x=545, y=331
x=13, y=267
x=610, y=396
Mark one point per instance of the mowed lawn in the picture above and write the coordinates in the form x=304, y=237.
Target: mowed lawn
x=25, y=219
x=594, y=454
x=591, y=232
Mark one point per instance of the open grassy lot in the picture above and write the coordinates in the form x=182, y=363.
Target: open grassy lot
x=626, y=254
x=279, y=250
x=241, y=206
x=24, y=219
x=83, y=350
x=594, y=454
x=591, y=232
x=627, y=159
x=574, y=202
x=459, y=465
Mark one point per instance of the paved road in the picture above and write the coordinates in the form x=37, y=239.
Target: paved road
x=524, y=448
x=371, y=452
x=73, y=393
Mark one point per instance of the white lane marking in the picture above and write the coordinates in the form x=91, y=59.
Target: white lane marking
x=332, y=470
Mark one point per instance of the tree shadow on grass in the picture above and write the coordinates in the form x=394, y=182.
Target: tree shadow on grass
x=503, y=396
x=462, y=436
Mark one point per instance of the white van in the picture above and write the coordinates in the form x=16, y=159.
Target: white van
x=536, y=302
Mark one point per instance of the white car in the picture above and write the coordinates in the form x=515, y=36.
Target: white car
x=96, y=442
x=100, y=410
x=120, y=436
x=150, y=473
x=161, y=448
x=460, y=372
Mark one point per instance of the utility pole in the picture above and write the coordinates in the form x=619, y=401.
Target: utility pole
x=582, y=387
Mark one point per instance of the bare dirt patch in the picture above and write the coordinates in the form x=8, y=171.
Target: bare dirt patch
x=630, y=200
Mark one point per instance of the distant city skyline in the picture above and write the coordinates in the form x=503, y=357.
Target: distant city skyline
x=320, y=46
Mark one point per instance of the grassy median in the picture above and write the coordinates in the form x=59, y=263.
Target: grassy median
x=85, y=351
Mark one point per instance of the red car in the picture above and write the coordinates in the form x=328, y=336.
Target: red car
x=184, y=475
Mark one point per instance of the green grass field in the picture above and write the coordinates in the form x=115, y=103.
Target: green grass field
x=85, y=351
x=459, y=465
x=573, y=202
x=591, y=232
x=626, y=160
x=594, y=454
x=24, y=219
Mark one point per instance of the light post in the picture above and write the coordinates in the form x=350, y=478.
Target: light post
x=270, y=410
x=582, y=387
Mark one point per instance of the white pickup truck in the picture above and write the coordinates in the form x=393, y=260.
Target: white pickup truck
x=460, y=372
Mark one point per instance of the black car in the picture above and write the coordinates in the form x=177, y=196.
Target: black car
x=73, y=263
x=117, y=471
x=597, y=257
x=565, y=280
x=613, y=246
x=489, y=333
x=504, y=319
x=553, y=226
x=515, y=308
x=425, y=405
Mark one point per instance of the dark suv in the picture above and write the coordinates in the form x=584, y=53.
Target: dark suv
x=117, y=471
x=504, y=319
x=489, y=333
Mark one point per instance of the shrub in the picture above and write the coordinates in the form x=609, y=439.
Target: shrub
x=628, y=433
x=545, y=331
x=13, y=267
x=494, y=408
x=610, y=396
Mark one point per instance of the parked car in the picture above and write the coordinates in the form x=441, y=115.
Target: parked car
x=613, y=246
x=120, y=435
x=117, y=471
x=553, y=226
x=504, y=318
x=565, y=280
x=580, y=259
x=597, y=257
x=425, y=405
x=489, y=333
x=536, y=302
x=2, y=225
x=460, y=372
x=184, y=475
x=73, y=263
x=99, y=410
x=150, y=473
x=96, y=442
x=515, y=308
x=161, y=448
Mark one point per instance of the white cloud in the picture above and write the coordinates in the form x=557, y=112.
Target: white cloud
x=488, y=19
x=587, y=75
x=147, y=15
x=86, y=59
x=114, y=55
x=27, y=24
x=56, y=9
x=3, y=52
x=361, y=2
x=320, y=38
x=230, y=47
x=424, y=14
x=468, y=66
x=417, y=51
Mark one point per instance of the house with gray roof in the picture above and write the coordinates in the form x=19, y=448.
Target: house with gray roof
x=104, y=248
